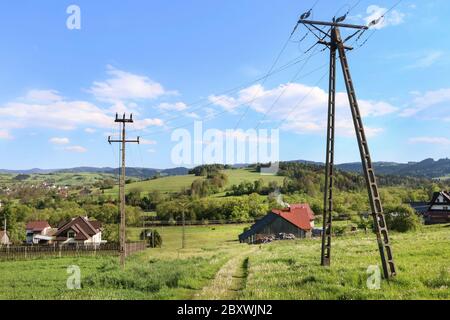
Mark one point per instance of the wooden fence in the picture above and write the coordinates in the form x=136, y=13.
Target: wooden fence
x=165, y=223
x=133, y=247
x=33, y=252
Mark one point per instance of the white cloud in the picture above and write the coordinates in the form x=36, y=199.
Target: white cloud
x=226, y=102
x=192, y=115
x=147, y=142
x=427, y=100
x=145, y=123
x=57, y=140
x=121, y=107
x=42, y=96
x=391, y=18
x=123, y=85
x=65, y=115
x=427, y=60
x=77, y=149
x=430, y=140
x=178, y=106
x=303, y=108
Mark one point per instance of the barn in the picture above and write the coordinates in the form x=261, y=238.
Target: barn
x=297, y=219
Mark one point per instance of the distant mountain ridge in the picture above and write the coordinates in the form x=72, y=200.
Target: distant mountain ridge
x=428, y=168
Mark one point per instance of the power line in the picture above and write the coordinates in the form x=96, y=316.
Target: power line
x=303, y=16
x=283, y=92
x=265, y=78
x=302, y=100
x=373, y=23
x=215, y=115
x=221, y=95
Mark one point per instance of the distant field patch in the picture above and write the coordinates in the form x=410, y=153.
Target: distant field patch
x=176, y=183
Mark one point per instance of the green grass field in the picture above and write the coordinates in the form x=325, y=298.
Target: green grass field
x=215, y=266
x=177, y=183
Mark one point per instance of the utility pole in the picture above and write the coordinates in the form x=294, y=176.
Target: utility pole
x=122, y=228
x=183, y=242
x=183, y=218
x=183, y=204
x=333, y=41
x=4, y=225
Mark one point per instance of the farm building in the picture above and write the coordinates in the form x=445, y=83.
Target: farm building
x=4, y=238
x=439, y=209
x=79, y=230
x=297, y=219
x=38, y=232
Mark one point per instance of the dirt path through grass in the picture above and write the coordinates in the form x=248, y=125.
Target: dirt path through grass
x=229, y=281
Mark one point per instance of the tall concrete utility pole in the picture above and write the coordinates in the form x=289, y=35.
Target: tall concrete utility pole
x=123, y=141
x=330, y=36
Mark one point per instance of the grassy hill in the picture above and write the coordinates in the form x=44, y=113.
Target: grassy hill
x=176, y=183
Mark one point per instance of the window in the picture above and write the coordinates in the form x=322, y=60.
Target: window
x=71, y=234
x=445, y=208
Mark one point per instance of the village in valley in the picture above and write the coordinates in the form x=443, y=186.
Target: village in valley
x=152, y=212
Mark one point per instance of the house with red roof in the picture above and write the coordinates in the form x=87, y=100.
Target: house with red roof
x=296, y=219
x=38, y=232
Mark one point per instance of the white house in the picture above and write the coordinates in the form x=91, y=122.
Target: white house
x=80, y=230
x=4, y=238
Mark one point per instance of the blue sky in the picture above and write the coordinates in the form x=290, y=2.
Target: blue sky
x=60, y=88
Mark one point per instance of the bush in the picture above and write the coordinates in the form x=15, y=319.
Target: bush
x=153, y=237
x=402, y=218
x=363, y=223
x=339, y=230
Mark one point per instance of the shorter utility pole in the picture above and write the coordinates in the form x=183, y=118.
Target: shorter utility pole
x=4, y=225
x=183, y=244
x=183, y=204
x=122, y=228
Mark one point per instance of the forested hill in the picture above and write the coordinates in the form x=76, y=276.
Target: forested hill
x=428, y=168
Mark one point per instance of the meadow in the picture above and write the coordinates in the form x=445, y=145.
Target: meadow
x=215, y=266
x=173, y=184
